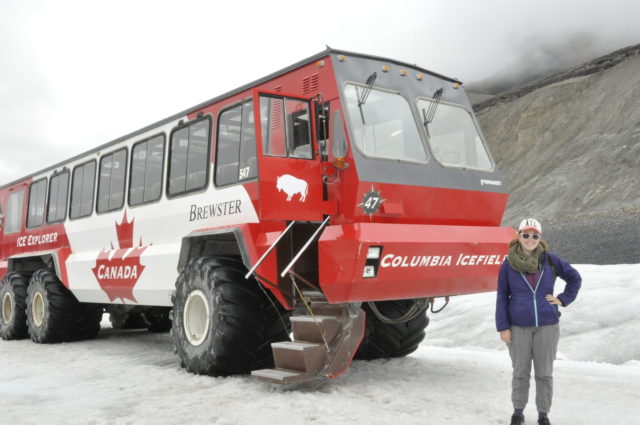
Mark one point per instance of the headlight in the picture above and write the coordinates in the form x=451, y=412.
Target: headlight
x=369, y=271
x=374, y=253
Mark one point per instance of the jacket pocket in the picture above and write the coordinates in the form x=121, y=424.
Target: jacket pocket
x=521, y=312
x=547, y=311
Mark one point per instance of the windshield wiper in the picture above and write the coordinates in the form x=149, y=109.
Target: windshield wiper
x=427, y=115
x=362, y=97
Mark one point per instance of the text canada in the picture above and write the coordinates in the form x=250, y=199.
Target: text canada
x=117, y=272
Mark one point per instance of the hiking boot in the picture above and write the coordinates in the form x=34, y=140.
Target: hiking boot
x=544, y=421
x=517, y=420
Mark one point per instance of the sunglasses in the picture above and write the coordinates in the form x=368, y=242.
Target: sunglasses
x=526, y=236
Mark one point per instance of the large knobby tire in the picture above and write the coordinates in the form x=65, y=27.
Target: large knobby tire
x=13, y=296
x=383, y=340
x=55, y=315
x=224, y=324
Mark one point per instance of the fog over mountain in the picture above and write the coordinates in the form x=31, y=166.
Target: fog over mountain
x=568, y=145
x=542, y=58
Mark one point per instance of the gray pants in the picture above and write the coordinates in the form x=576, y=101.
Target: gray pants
x=540, y=345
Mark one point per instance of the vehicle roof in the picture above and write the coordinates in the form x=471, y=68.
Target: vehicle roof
x=328, y=51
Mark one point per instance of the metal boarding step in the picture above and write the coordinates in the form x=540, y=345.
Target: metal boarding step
x=324, y=342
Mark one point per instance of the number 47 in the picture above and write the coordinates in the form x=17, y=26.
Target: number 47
x=372, y=202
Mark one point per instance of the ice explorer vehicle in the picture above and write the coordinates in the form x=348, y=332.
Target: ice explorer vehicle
x=285, y=227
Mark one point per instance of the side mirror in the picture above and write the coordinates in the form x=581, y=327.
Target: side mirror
x=339, y=142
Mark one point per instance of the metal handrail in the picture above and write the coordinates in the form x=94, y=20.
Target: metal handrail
x=304, y=248
x=253, y=269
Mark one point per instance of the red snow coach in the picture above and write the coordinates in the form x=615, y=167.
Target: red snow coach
x=281, y=229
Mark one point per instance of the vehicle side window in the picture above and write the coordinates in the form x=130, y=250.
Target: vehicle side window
x=111, y=182
x=248, y=167
x=82, y=188
x=236, y=145
x=298, y=128
x=286, y=127
x=15, y=203
x=189, y=157
x=37, y=200
x=58, y=192
x=147, y=158
x=272, y=124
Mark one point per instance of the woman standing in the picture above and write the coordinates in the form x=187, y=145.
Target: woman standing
x=527, y=315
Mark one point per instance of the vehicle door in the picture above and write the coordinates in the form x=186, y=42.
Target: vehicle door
x=290, y=178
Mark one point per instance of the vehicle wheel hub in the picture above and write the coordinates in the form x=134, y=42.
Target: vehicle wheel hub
x=37, y=308
x=197, y=318
x=7, y=308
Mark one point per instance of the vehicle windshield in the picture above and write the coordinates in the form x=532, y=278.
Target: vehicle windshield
x=384, y=126
x=453, y=136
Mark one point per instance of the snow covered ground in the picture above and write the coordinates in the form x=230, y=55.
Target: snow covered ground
x=459, y=375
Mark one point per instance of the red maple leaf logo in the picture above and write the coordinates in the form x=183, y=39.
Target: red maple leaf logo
x=118, y=270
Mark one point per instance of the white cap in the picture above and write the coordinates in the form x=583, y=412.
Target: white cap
x=530, y=223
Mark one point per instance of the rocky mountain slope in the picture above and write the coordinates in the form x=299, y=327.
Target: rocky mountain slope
x=569, y=148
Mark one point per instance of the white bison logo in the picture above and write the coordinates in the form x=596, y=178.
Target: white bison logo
x=292, y=186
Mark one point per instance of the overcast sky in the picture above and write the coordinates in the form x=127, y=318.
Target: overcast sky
x=76, y=74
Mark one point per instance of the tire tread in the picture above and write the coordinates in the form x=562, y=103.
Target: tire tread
x=244, y=322
x=384, y=340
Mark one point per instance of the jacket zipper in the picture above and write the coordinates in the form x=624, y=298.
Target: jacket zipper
x=535, y=304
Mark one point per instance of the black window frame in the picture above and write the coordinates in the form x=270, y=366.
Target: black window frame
x=93, y=190
x=44, y=205
x=237, y=179
x=182, y=126
x=289, y=141
x=66, y=199
x=162, y=174
x=124, y=183
x=322, y=112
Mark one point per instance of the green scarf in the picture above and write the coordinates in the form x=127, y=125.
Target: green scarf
x=523, y=263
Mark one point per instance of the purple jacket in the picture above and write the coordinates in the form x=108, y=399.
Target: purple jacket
x=521, y=305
